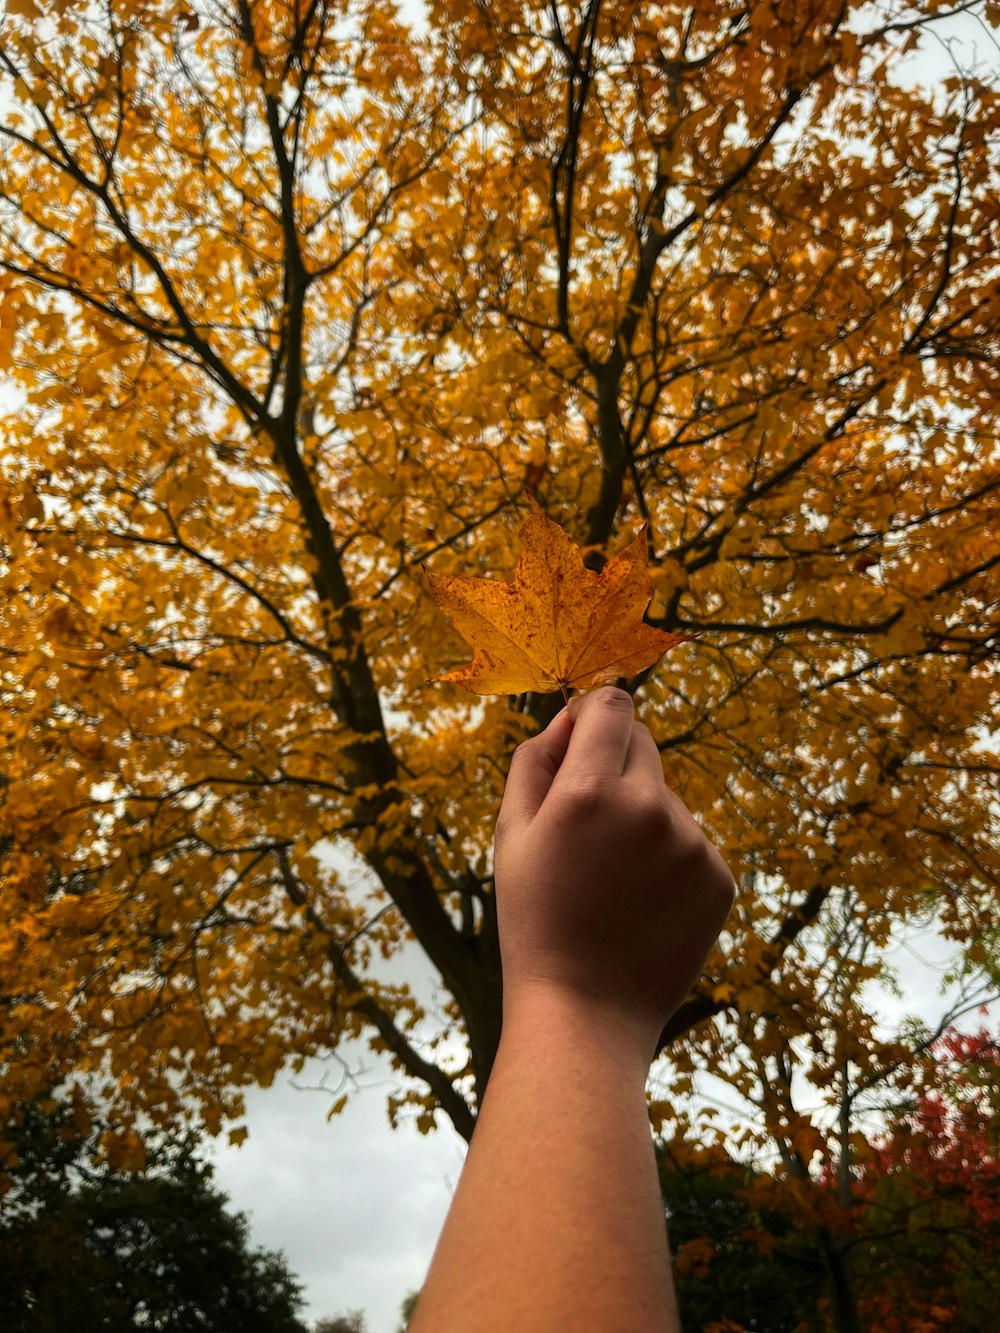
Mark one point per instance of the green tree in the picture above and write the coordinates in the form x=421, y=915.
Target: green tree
x=737, y=1265
x=94, y=1250
x=926, y=1199
x=896, y=1229
x=406, y=1310
x=351, y=1322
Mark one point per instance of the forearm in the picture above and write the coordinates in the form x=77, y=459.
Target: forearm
x=557, y=1222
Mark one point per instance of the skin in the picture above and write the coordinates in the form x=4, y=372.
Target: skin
x=609, y=898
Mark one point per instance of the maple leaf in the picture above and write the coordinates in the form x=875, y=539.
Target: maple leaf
x=559, y=625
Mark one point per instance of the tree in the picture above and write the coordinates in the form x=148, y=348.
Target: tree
x=927, y=1200
x=297, y=297
x=406, y=1310
x=353, y=1322
x=891, y=1227
x=737, y=1266
x=103, y=1250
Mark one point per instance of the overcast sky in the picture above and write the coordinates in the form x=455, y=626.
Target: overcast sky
x=355, y=1206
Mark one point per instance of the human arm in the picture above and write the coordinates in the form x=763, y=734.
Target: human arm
x=608, y=898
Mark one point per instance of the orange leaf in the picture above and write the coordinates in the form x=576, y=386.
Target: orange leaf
x=695, y=1256
x=26, y=9
x=558, y=624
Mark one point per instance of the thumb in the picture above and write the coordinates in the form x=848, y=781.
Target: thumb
x=533, y=768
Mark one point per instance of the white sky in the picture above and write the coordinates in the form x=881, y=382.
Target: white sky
x=355, y=1206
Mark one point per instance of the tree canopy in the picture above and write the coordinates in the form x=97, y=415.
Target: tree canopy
x=300, y=296
x=927, y=1200
x=905, y=1235
x=98, y=1250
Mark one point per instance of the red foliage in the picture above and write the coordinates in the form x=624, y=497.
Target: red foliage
x=927, y=1201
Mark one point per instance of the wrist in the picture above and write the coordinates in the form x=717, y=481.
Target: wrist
x=541, y=1016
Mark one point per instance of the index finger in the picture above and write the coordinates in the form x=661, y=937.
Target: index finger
x=602, y=734
x=645, y=763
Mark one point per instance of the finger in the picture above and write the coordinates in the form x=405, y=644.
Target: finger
x=602, y=734
x=644, y=762
x=691, y=840
x=533, y=767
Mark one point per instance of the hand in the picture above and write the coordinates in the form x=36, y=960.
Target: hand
x=608, y=892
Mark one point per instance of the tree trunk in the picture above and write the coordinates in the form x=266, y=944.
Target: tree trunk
x=846, y=1317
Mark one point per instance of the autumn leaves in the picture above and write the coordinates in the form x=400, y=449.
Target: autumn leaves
x=559, y=625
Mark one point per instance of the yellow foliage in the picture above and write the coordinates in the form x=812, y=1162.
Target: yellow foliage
x=695, y=1257
x=284, y=328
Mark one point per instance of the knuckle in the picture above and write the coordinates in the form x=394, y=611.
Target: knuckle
x=726, y=886
x=522, y=753
x=704, y=858
x=698, y=856
x=610, y=696
x=584, y=800
x=650, y=818
x=715, y=875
